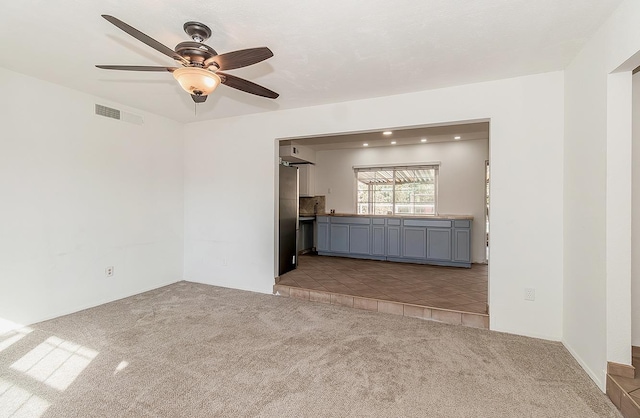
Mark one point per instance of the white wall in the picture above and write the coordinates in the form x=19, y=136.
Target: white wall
x=635, y=221
x=584, y=331
x=461, y=178
x=597, y=199
x=79, y=193
x=230, y=188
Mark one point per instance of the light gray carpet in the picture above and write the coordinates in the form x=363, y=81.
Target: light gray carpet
x=191, y=350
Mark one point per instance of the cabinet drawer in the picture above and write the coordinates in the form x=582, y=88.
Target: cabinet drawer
x=346, y=220
x=462, y=224
x=428, y=222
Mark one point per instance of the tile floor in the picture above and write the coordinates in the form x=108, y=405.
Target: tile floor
x=453, y=288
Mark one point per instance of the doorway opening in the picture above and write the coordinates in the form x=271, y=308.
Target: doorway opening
x=414, y=260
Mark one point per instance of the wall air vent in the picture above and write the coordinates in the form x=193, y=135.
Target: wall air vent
x=108, y=112
x=112, y=113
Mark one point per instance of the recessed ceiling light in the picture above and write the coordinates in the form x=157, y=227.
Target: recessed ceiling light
x=387, y=133
x=393, y=142
x=456, y=137
x=423, y=140
x=365, y=145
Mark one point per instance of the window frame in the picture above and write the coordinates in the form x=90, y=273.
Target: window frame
x=395, y=168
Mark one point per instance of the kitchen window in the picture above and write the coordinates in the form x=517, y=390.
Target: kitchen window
x=397, y=190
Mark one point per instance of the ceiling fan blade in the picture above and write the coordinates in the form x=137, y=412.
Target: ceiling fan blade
x=199, y=99
x=136, y=68
x=246, y=86
x=241, y=58
x=145, y=39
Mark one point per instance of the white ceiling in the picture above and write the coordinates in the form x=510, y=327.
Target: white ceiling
x=409, y=136
x=325, y=50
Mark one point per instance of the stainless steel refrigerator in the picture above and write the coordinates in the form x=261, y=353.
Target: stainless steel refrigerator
x=288, y=219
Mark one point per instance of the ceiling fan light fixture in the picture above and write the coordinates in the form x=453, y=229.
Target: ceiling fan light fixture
x=197, y=81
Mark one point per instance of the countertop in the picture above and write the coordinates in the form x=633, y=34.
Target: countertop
x=443, y=217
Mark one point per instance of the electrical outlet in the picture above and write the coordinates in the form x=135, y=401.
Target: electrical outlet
x=225, y=262
x=108, y=271
x=529, y=294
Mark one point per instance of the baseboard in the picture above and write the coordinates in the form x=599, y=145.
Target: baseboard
x=265, y=291
x=599, y=380
x=635, y=351
x=99, y=302
x=623, y=370
x=546, y=337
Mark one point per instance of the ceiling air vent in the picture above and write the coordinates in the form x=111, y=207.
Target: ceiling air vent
x=112, y=113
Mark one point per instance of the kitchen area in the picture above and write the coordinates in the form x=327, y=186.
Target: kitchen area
x=396, y=219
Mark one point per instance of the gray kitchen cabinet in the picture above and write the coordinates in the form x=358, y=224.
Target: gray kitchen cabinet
x=377, y=240
x=322, y=240
x=414, y=242
x=393, y=237
x=393, y=241
x=359, y=239
x=425, y=240
x=350, y=235
x=439, y=244
x=462, y=241
x=339, y=238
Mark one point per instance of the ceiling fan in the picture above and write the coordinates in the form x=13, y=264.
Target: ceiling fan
x=201, y=66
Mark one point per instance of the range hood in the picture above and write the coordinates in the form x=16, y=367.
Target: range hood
x=297, y=154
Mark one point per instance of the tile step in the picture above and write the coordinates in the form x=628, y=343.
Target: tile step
x=448, y=316
x=624, y=392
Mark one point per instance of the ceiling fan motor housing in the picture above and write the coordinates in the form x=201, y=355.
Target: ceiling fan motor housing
x=195, y=52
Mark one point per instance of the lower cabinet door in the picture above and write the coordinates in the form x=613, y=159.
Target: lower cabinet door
x=323, y=237
x=377, y=241
x=359, y=239
x=462, y=245
x=414, y=242
x=339, y=238
x=393, y=241
x=439, y=244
